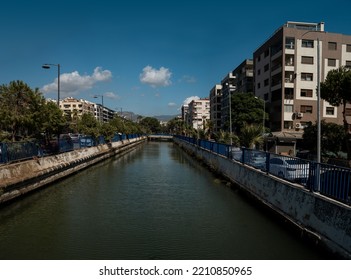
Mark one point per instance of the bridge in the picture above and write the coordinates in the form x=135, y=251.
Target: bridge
x=160, y=137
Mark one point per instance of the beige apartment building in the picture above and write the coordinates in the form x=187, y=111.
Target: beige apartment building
x=285, y=72
x=77, y=107
x=199, y=112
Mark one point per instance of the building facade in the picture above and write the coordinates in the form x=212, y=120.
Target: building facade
x=216, y=107
x=286, y=71
x=244, y=74
x=73, y=107
x=228, y=84
x=199, y=113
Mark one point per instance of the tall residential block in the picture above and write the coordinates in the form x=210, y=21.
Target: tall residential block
x=199, y=113
x=216, y=107
x=286, y=68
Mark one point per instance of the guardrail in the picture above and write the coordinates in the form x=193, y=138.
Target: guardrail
x=329, y=180
x=19, y=151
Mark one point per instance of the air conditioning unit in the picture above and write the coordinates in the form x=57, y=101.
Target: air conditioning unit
x=299, y=115
x=298, y=125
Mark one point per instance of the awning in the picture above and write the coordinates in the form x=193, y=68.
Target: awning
x=284, y=136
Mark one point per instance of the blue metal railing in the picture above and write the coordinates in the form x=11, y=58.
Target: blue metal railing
x=16, y=151
x=333, y=181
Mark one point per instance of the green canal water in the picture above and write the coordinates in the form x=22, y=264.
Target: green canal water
x=154, y=203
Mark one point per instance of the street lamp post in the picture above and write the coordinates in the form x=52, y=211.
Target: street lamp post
x=102, y=104
x=47, y=66
x=230, y=115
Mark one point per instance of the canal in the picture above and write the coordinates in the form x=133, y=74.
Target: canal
x=156, y=202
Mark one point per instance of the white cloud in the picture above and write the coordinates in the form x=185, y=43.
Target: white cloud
x=172, y=104
x=72, y=83
x=111, y=95
x=156, y=78
x=189, y=99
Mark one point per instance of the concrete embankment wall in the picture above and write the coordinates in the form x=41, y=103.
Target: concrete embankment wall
x=323, y=220
x=20, y=178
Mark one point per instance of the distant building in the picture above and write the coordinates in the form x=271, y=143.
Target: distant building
x=199, y=113
x=216, y=107
x=185, y=113
x=228, y=87
x=76, y=107
x=73, y=107
x=244, y=82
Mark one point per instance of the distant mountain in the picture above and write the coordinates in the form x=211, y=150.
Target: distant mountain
x=134, y=117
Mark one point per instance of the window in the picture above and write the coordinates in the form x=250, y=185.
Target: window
x=259, y=85
x=348, y=48
x=288, y=108
x=307, y=44
x=330, y=111
x=348, y=63
x=306, y=92
x=306, y=109
x=306, y=77
x=307, y=59
x=289, y=93
x=290, y=43
x=288, y=124
x=331, y=62
x=266, y=67
x=348, y=111
x=266, y=82
x=332, y=46
x=266, y=53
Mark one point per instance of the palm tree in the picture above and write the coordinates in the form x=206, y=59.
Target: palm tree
x=251, y=136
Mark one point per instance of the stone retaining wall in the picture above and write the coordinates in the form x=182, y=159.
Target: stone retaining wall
x=321, y=219
x=20, y=178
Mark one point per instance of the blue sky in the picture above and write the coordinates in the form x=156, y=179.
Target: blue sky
x=147, y=57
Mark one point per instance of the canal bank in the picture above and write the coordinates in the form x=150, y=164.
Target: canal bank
x=17, y=179
x=323, y=220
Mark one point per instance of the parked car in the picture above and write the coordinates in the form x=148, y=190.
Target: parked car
x=258, y=160
x=292, y=169
x=236, y=153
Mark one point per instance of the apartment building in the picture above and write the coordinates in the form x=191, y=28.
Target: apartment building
x=185, y=112
x=244, y=77
x=228, y=84
x=77, y=107
x=199, y=112
x=285, y=73
x=216, y=107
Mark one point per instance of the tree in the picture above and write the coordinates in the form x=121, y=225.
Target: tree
x=152, y=124
x=336, y=89
x=20, y=110
x=224, y=137
x=52, y=120
x=246, y=110
x=251, y=135
x=88, y=125
x=331, y=139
